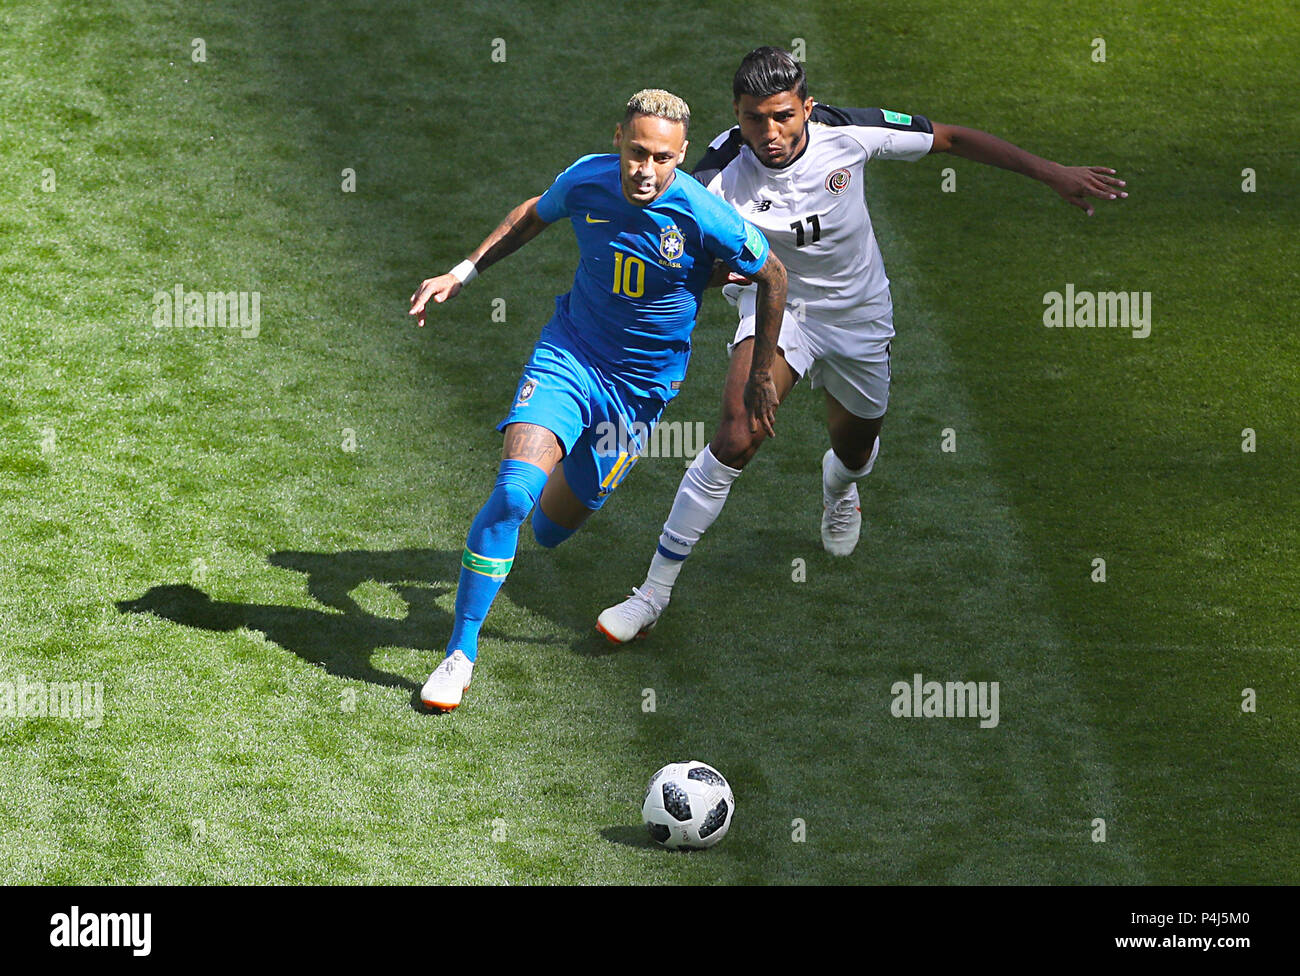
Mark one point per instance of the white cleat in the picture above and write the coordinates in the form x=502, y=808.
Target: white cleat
x=448, y=682
x=841, y=516
x=633, y=618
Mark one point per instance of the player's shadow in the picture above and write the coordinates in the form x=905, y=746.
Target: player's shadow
x=342, y=639
x=628, y=836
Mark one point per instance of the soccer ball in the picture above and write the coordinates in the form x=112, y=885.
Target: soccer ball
x=687, y=805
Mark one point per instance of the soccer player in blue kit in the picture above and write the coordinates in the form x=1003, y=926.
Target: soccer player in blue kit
x=614, y=353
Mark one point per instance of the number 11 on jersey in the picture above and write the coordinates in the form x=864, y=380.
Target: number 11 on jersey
x=814, y=222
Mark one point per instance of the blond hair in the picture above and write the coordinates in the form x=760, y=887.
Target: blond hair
x=660, y=104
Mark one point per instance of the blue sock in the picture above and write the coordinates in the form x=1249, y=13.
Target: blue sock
x=547, y=533
x=490, y=549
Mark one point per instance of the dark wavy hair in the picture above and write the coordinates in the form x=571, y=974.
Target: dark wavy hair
x=769, y=71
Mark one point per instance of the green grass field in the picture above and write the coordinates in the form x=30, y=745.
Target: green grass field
x=291, y=506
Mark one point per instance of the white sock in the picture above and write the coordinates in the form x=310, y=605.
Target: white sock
x=699, y=502
x=839, y=479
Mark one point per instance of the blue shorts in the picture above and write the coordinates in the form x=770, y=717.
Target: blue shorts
x=601, y=428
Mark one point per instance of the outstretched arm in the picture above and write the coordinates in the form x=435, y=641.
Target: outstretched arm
x=520, y=226
x=1074, y=183
x=760, y=390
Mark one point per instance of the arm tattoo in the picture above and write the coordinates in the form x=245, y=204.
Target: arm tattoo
x=771, y=280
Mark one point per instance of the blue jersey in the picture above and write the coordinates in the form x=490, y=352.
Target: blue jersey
x=636, y=293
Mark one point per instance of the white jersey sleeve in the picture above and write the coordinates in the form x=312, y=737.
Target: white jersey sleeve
x=882, y=133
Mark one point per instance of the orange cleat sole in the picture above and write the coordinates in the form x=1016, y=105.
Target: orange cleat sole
x=614, y=640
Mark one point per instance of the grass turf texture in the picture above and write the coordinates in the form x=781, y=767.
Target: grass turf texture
x=259, y=726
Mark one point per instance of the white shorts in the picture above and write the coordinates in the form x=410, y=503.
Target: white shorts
x=851, y=366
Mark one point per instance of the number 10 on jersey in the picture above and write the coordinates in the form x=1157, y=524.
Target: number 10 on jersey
x=629, y=275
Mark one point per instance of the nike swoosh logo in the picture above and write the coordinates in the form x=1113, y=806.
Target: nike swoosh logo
x=595, y=220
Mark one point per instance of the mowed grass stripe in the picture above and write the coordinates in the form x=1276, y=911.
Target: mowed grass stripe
x=1131, y=450
x=1034, y=784
x=310, y=798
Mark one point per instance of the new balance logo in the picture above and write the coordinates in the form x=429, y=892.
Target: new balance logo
x=761, y=206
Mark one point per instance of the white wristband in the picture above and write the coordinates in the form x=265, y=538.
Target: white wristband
x=465, y=272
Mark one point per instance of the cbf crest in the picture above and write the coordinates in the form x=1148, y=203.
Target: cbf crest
x=525, y=391
x=671, y=242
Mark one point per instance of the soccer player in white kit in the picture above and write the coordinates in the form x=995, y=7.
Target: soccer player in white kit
x=794, y=168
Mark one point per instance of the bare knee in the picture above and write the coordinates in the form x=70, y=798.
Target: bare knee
x=853, y=438
x=735, y=444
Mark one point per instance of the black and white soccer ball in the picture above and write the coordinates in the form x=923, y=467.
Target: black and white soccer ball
x=688, y=805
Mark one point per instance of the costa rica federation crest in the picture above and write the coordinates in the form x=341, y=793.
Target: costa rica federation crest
x=838, y=181
x=671, y=242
